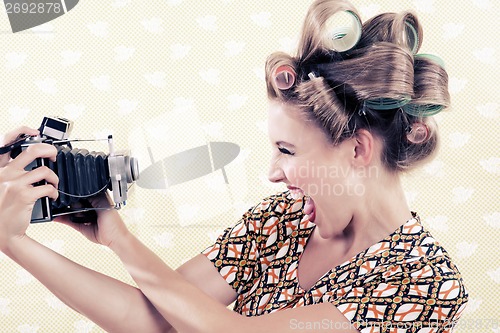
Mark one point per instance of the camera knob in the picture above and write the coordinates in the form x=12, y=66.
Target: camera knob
x=34, y=139
x=133, y=169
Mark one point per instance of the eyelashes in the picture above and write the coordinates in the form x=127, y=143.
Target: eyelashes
x=285, y=151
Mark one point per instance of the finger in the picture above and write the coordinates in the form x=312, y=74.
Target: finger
x=32, y=152
x=46, y=190
x=88, y=230
x=102, y=200
x=39, y=174
x=40, y=191
x=13, y=135
x=64, y=219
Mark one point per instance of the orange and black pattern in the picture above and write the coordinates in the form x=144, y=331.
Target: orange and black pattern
x=404, y=283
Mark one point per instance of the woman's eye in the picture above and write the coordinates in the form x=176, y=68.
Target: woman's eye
x=285, y=151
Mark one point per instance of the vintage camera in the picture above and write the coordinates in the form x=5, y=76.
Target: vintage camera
x=82, y=173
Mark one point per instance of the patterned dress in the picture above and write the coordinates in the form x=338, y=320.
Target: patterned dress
x=404, y=283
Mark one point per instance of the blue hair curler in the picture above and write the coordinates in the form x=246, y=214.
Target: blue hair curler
x=422, y=110
x=386, y=103
x=412, y=37
x=432, y=57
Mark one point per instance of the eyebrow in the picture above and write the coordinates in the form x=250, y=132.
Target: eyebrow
x=284, y=143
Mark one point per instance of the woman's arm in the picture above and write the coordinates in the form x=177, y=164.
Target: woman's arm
x=113, y=305
x=190, y=309
x=110, y=303
x=193, y=300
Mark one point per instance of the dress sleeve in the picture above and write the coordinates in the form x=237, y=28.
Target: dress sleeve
x=242, y=252
x=421, y=297
x=236, y=252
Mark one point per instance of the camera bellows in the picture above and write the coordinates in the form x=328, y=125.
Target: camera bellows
x=81, y=174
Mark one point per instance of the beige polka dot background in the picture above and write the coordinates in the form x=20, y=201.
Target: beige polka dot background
x=167, y=76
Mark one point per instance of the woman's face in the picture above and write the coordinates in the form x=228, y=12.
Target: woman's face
x=308, y=163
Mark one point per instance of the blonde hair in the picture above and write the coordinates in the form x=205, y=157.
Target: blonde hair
x=350, y=90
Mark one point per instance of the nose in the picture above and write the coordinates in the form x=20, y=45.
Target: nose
x=276, y=173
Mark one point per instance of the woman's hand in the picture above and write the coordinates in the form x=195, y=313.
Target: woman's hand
x=109, y=227
x=17, y=193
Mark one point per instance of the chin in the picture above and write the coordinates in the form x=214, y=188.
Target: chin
x=324, y=231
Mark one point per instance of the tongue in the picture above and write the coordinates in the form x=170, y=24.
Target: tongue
x=309, y=208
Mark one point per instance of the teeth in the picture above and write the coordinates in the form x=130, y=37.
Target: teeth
x=296, y=194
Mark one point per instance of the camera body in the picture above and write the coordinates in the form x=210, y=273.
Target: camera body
x=82, y=173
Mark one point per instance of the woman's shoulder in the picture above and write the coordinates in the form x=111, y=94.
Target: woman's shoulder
x=416, y=257
x=279, y=210
x=408, y=270
x=278, y=204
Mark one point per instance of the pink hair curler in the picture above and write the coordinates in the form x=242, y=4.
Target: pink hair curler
x=284, y=77
x=419, y=133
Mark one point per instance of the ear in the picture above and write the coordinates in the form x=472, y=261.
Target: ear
x=364, y=147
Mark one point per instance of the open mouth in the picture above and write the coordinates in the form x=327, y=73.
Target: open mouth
x=295, y=192
x=309, y=207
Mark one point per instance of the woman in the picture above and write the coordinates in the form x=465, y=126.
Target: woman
x=339, y=251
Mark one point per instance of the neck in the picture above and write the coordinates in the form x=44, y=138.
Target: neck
x=373, y=216
x=383, y=209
